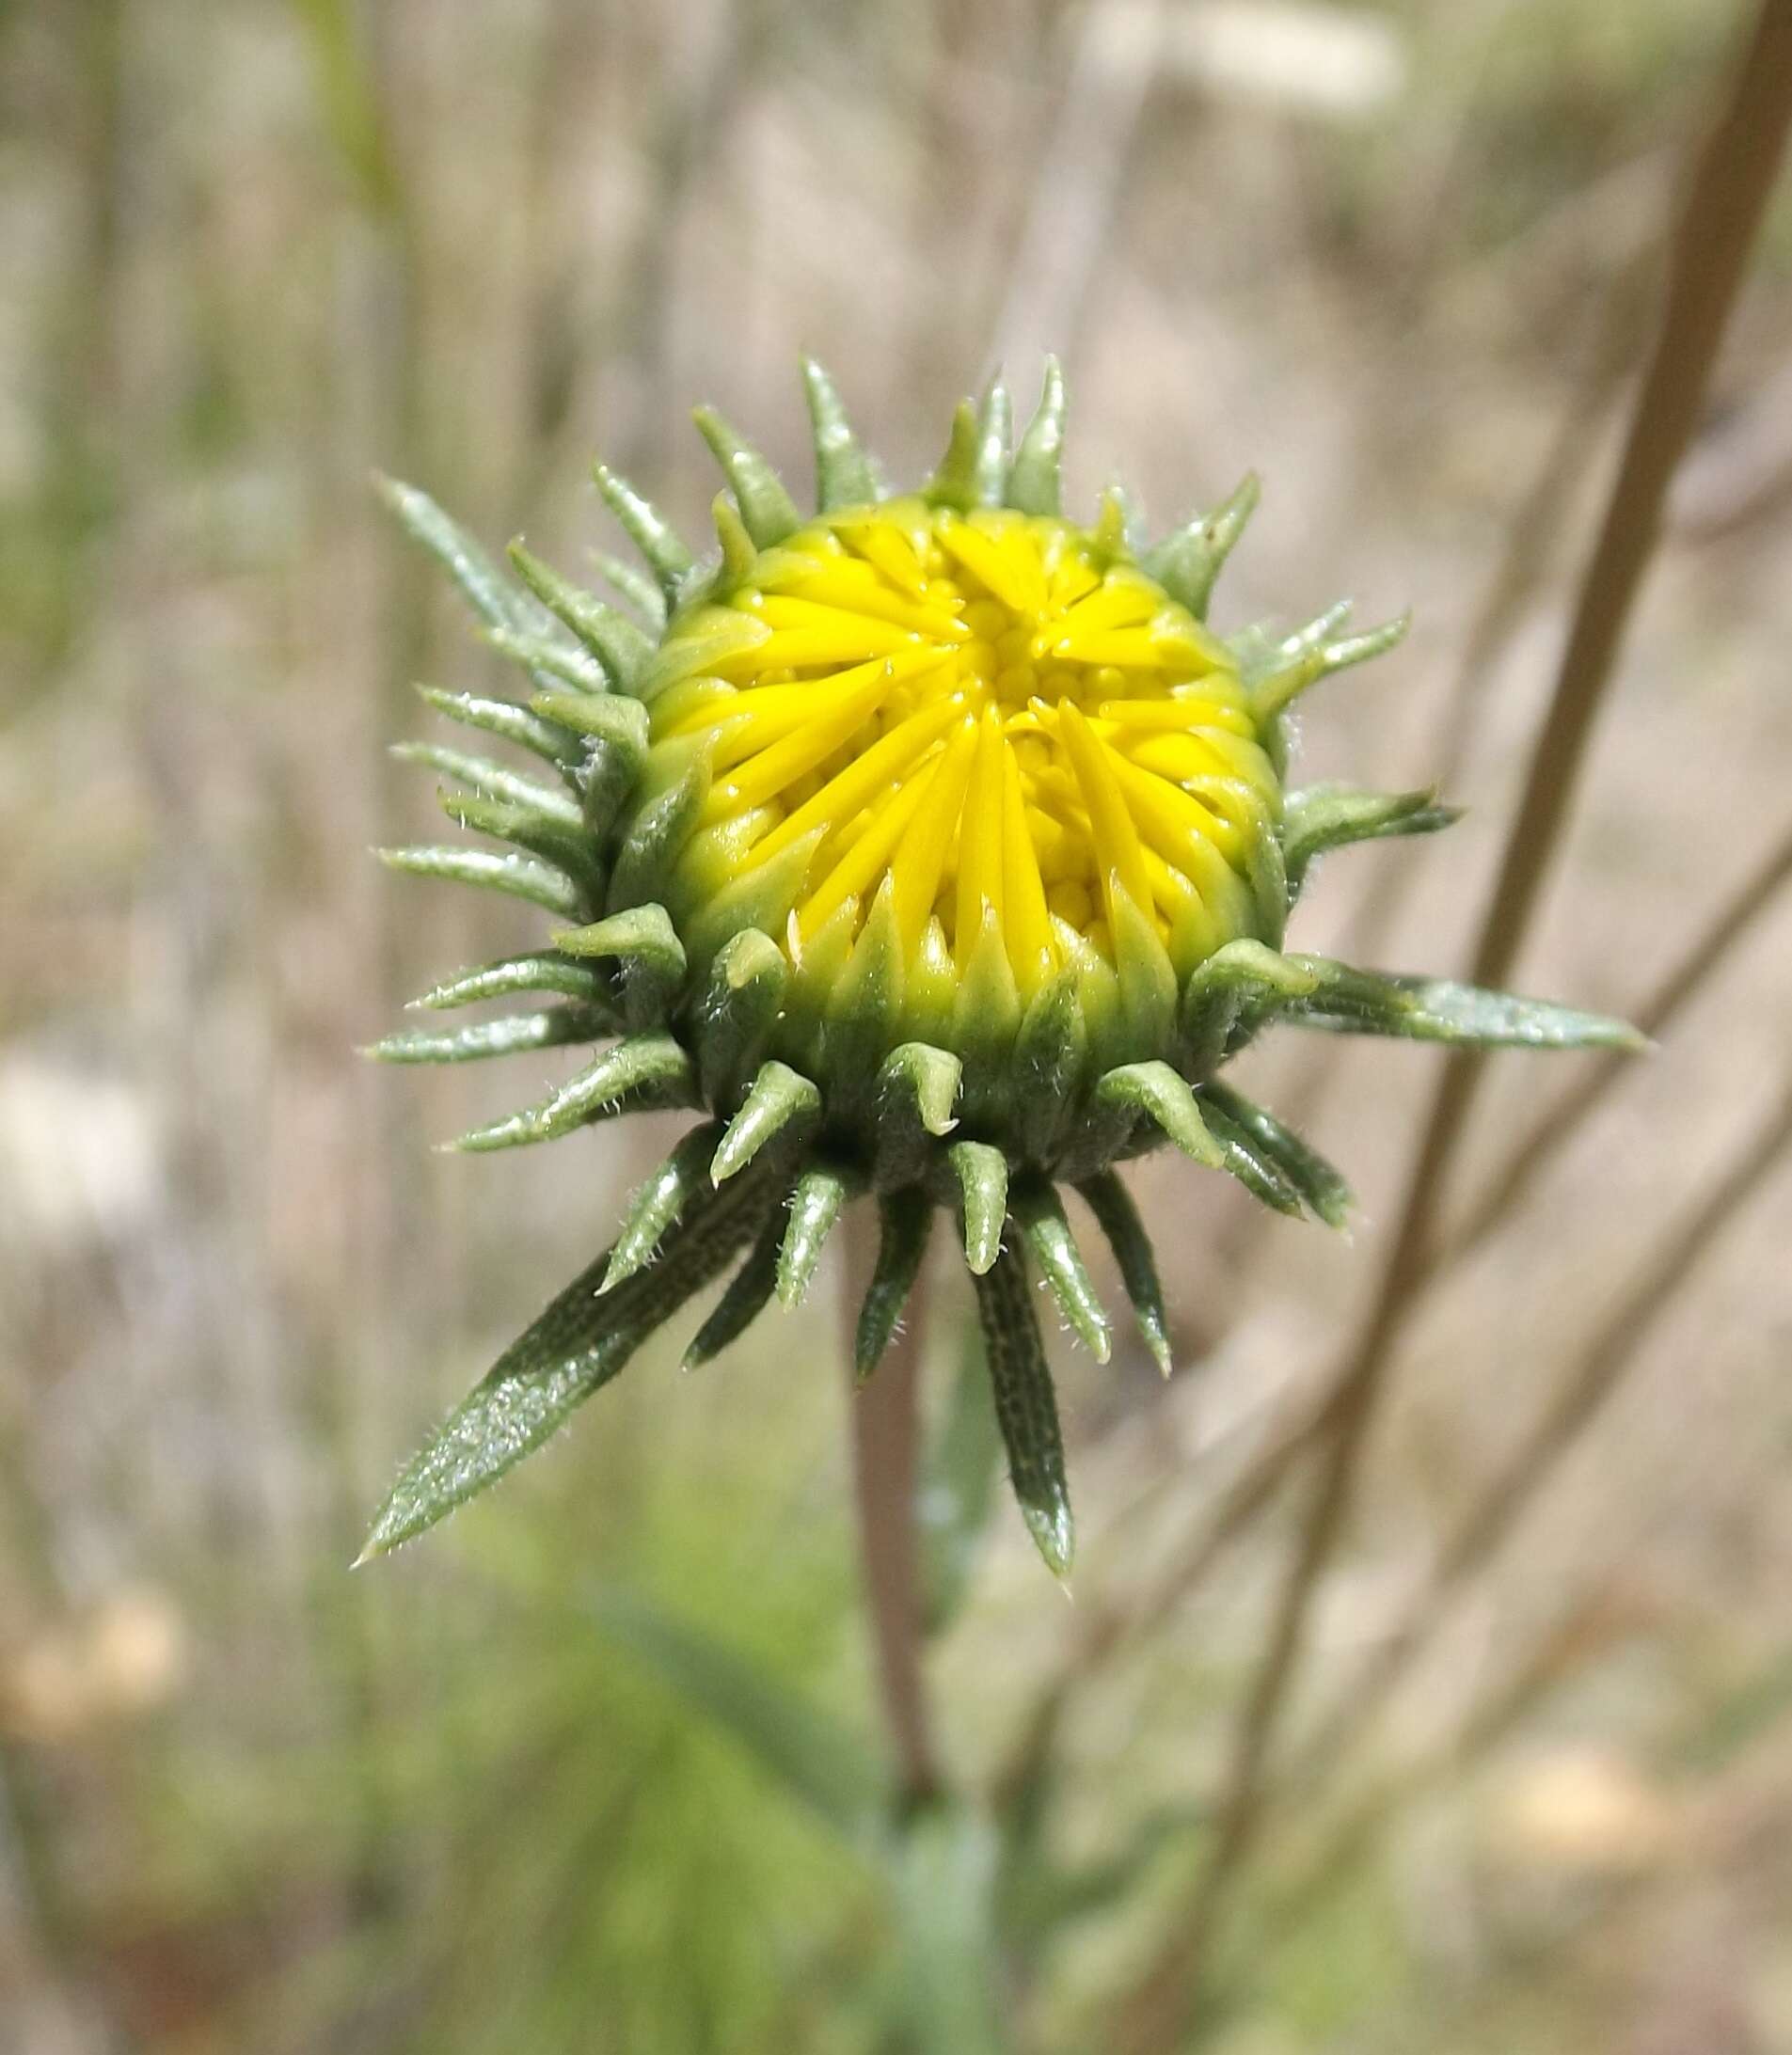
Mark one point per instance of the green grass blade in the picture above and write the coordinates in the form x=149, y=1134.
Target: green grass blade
x=817, y=1761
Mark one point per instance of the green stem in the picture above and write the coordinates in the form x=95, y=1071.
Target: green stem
x=885, y=1432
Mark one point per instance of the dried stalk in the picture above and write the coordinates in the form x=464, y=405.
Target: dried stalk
x=1112, y=1623
x=1563, y=1650
x=1080, y=179
x=1716, y=231
x=1655, y=1017
x=1601, y=1368
x=1533, y=538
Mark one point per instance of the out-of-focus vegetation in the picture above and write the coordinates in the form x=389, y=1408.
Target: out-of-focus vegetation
x=542, y=1782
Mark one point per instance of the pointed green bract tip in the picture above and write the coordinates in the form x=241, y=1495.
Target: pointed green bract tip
x=1054, y=1535
x=954, y=483
x=995, y=425
x=815, y=1206
x=738, y=556
x=844, y=474
x=659, y=544
x=1034, y=480
x=1036, y=1205
x=767, y=512
x=930, y=1076
x=982, y=1172
x=778, y=1098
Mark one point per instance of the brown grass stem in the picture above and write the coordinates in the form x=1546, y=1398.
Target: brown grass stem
x=1079, y=180
x=1115, y=1622
x=1533, y=538
x=1655, y=1016
x=1566, y=1648
x=1599, y=1370
x=1716, y=231
x=1723, y=210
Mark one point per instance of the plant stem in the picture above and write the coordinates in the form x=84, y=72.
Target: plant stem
x=1535, y=538
x=1112, y=1622
x=1653, y=1016
x=1606, y=1360
x=1567, y=1649
x=1715, y=233
x=885, y=1433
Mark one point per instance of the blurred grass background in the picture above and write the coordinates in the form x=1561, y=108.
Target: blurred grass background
x=1402, y=256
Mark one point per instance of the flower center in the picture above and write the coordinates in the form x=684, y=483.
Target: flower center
x=989, y=717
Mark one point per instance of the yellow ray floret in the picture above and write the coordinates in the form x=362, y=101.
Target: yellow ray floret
x=997, y=714
x=980, y=877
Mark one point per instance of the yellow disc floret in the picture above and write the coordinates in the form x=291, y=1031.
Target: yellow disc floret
x=995, y=718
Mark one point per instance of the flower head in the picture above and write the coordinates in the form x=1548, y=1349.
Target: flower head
x=934, y=848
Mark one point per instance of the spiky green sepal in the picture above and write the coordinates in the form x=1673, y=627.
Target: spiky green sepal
x=576, y=1347
x=1026, y=1408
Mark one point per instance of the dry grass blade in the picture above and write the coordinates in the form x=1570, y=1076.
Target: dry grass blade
x=1654, y=1017
x=1715, y=234
x=1081, y=179
x=1114, y=1623
x=1612, y=1355
x=1533, y=538
x=1561, y=1653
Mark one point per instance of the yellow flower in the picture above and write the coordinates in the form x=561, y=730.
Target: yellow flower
x=985, y=731
x=934, y=848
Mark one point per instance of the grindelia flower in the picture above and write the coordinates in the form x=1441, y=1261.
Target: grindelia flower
x=935, y=851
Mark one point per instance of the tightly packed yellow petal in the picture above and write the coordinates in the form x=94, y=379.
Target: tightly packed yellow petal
x=993, y=720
